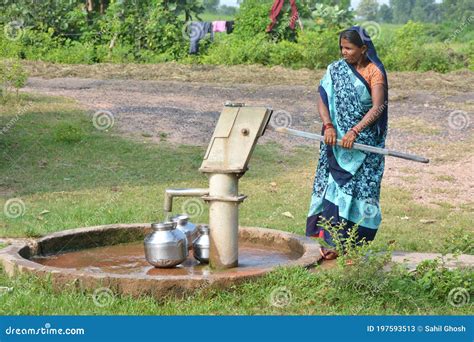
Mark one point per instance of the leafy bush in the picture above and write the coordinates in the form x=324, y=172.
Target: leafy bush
x=63, y=17
x=252, y=19
x=151, y=32
x=319, y=49
x=232, y=50
x=459, y=241
x=367, y=273
x=408, y=51
x=329, y=17
x=12, y=77
x=288, y=54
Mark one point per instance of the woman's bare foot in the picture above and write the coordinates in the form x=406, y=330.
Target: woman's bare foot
x=328, y=254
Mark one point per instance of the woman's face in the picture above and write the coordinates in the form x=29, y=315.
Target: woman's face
x=351, y=52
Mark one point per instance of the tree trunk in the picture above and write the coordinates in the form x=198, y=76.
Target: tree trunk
x=89, y=5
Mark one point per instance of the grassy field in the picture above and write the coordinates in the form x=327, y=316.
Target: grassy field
x=64, y=170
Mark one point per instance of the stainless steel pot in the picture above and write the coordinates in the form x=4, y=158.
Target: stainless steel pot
x=187, y=228
x=166, y=246
x=201, y=245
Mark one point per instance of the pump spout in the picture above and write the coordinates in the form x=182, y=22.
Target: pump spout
x=171, y=193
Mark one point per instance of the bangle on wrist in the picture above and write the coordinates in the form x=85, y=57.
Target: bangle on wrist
x=355, y=130
x=328, y=125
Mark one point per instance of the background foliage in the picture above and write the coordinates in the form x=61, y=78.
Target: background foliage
x=409, y=35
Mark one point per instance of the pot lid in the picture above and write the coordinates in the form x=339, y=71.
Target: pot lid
x=163, y=226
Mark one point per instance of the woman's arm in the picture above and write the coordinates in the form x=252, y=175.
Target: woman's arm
x=329, y=132
x=378, y=105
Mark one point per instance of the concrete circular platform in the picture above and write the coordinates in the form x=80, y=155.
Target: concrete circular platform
x=262, y=250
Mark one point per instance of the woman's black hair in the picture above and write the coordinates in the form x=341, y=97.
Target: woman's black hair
x=352, y=36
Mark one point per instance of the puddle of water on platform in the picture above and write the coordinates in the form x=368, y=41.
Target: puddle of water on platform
x=130, y=259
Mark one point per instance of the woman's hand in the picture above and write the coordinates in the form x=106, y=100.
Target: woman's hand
x=330, y=136
x=348, y=139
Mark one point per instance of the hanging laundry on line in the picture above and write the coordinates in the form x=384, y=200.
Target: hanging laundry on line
x=275, y=11
x=218, y=26
x=197, y=30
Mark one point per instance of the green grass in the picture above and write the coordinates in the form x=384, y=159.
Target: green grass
x=97, y=177
x=337, y=291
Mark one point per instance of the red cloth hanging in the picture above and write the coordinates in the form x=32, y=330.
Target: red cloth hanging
x=275, y=11
x=294, y=14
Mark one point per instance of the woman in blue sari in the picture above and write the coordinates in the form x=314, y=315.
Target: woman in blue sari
x=353, y=107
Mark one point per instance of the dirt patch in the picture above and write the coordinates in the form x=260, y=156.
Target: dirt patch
x=181, y=104
x=452, y=82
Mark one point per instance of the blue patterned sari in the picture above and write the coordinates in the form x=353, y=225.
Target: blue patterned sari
x=346, y=187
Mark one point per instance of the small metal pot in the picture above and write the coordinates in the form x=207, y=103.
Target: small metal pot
x=166, y=246
x=201, y=245
x=187, y=228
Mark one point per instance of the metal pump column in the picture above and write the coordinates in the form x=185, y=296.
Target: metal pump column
x=226, y=160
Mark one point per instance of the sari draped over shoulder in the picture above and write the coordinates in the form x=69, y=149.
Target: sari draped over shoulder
x=347, y=184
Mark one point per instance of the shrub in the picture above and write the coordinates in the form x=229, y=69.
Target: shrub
x=252, y=19
x=329, y=17
x=408, y=51
x=288, y=54
x=12, y=77
x=319, y=49
x=232, y=50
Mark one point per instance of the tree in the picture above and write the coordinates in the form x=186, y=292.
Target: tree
x=402, y=10
x=456, y=10
x=385, y=14
x=97, y=5
x=342, y=4
x=227, y=10
x=425, y=11
x=211, y=5
x=368, y=9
